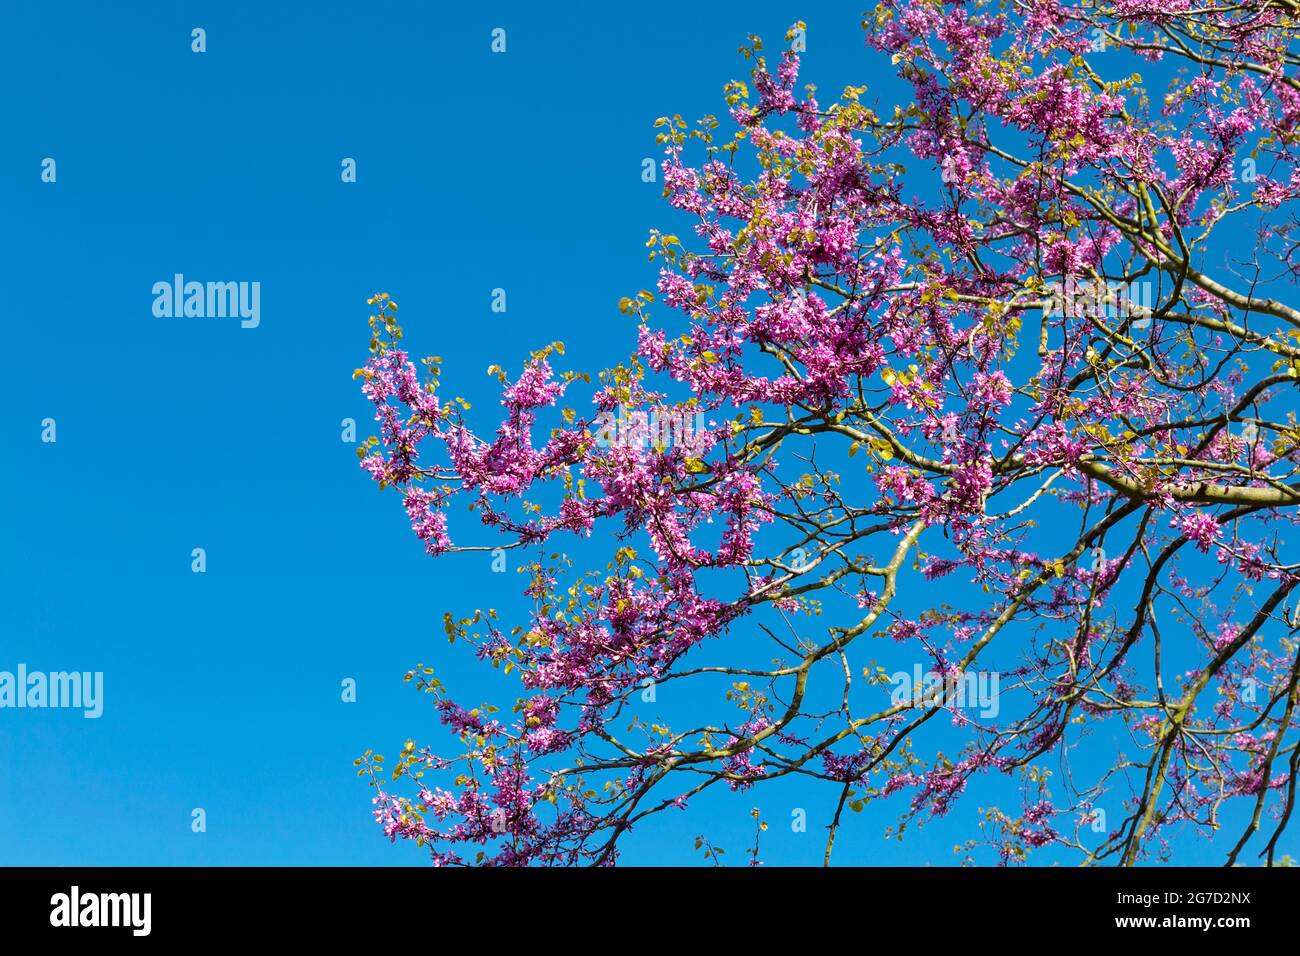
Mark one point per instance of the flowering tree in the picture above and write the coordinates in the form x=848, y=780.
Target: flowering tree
x=1022, y=335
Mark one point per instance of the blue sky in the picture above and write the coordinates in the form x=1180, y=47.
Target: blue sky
x=475, y=171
